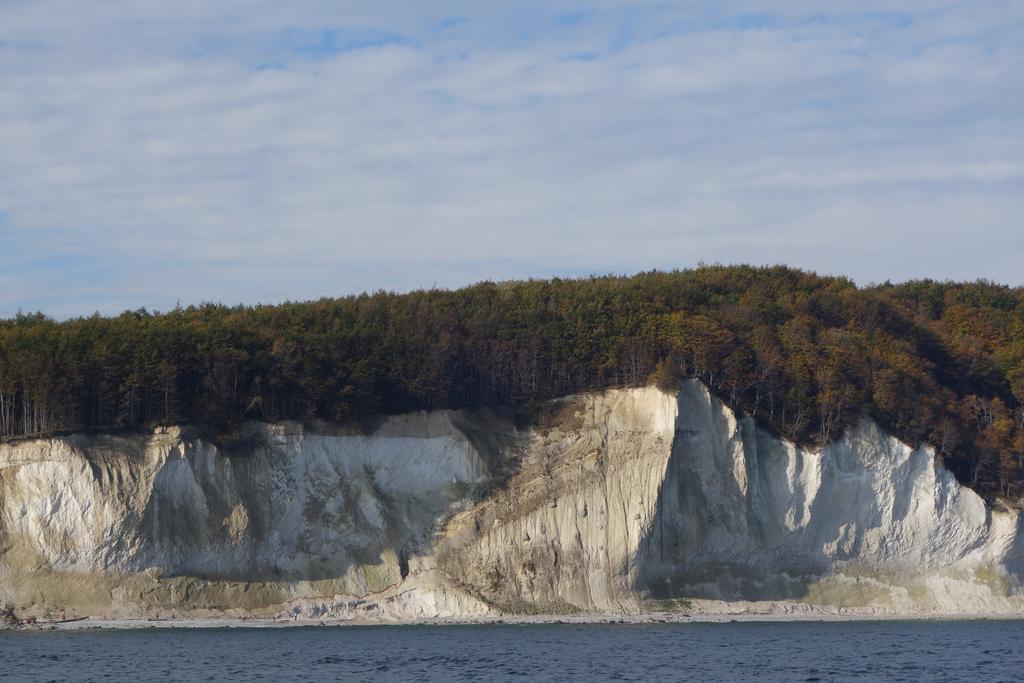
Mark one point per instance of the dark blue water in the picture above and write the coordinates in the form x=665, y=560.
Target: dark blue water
x=890, y=651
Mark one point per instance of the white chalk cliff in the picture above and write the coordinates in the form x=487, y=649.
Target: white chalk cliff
x=624, y=501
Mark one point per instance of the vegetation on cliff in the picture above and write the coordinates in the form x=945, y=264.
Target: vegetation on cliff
x=933, y=362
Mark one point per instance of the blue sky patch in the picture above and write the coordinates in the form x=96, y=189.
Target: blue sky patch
x=319, y=44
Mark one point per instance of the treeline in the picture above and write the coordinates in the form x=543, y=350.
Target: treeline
x=933, y=362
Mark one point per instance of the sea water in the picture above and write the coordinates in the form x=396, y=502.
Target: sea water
x=789, y=651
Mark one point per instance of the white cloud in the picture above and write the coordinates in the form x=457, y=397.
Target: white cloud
x=151, y=154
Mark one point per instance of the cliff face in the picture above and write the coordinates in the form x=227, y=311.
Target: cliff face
x=867, y=520
x=621, y=501
x=167, y=520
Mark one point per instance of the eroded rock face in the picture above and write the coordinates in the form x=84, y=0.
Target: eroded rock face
x=619, y=501
x=565, y=533
x=297, y=514
x=743, y=515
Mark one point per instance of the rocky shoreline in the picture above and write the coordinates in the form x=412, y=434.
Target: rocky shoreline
x=718, y=613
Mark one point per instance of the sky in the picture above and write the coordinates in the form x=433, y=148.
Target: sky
x=155, y=153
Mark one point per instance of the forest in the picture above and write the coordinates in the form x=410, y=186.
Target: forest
x=933, y=362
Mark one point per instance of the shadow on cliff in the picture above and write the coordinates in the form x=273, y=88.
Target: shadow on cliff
x=245, y=517
x=216, y=517
x=706, y=539
x=1015, y=557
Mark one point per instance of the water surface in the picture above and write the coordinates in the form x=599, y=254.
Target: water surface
x=802, y=651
